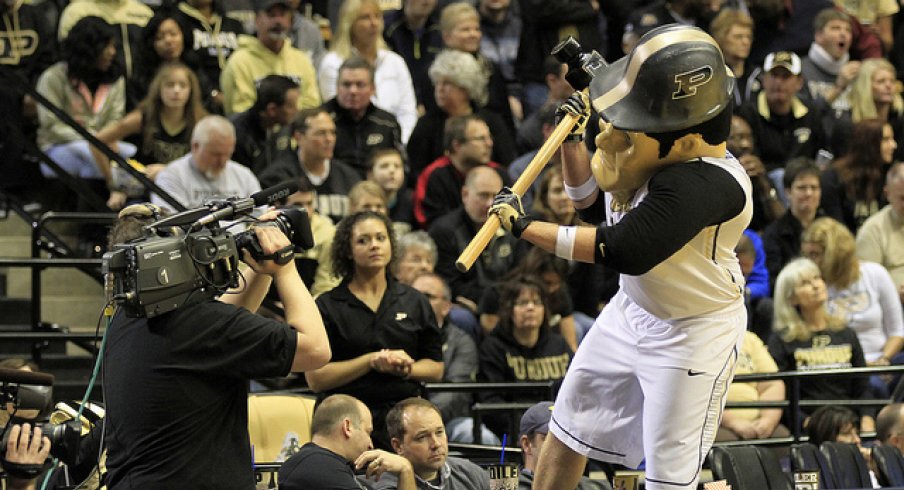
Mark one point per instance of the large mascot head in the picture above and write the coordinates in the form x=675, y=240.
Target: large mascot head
x=667, y=101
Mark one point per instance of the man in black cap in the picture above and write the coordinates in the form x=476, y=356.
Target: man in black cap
x=534, y=426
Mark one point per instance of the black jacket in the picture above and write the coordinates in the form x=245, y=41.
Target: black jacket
x=452, y=233
x=254, y=147
x=356, y=139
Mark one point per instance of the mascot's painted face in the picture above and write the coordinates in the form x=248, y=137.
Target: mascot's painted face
x=624, y=160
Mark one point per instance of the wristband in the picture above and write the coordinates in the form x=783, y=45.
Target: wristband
x=582, y=191
x=574, y=137
x=565, y=239
x=22, y=471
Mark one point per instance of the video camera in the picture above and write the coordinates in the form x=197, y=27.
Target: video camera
x=188, y=258
x=28, y=390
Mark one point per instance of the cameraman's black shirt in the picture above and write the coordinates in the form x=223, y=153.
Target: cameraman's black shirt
x=176, y=388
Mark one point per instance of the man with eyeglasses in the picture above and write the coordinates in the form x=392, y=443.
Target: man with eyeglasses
x=469, y=144
x=454, y=230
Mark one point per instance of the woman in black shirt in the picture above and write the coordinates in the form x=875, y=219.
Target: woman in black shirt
x=383, y=334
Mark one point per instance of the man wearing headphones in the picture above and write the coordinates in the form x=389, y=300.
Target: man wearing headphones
x=176, y=385
x=649, y=379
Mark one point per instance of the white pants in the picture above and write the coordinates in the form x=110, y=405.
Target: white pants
x=641, y=387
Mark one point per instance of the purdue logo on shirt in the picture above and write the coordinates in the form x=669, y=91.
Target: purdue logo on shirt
x=802, y=135
x=374, y=139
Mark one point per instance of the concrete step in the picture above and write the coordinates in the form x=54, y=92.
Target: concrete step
x=12, y=225
x=65, y=282
x=77, y=311
x=14, y=311
x=71, y=376
x=15, y=246
x=23, y=348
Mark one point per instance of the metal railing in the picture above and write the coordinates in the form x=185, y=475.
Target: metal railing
x=793, y=403
x=18, y=82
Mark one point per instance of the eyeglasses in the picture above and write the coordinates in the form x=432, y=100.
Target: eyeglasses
x=486, y=138
x=522, y=303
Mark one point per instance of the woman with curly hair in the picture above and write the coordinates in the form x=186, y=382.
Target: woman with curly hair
x=861, y=292
x=360, y=33
x=460, y=89
x=807, y=336
x=162, y=122
x=460, y=24
x=383, y=334
x=88, y=85
x=852, y=187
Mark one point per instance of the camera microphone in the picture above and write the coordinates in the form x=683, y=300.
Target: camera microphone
x=19, y=376
x=235, y=207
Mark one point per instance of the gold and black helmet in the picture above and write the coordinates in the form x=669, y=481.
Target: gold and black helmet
x=674, y=79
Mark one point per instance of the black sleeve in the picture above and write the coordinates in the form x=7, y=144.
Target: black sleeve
x=596, y=212
x=557, y=11
x=489, y=302
x=774, y=257
x=683, y=199
x=420, y=152
x=430, y=338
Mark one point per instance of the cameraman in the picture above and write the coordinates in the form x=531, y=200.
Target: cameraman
x=176, y=385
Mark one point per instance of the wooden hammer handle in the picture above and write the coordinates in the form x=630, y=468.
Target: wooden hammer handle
x=525, y=180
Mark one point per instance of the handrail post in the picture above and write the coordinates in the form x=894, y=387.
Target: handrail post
x=794, y=405
x=35, y=275
x=477, y=420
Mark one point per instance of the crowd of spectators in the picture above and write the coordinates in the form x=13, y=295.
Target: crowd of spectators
x=400, y=121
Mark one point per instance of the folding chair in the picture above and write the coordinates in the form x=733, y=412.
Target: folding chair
x=806, y=457
x=748, y=467
x=889, y=466
x=847, y=464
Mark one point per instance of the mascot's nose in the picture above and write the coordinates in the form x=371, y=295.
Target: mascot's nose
x=611, y=139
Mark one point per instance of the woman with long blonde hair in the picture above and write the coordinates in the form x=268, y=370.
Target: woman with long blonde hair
x=808, y=336
x=163, y=122
x=862, y=293
x=874, y=95
x=360, y=33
